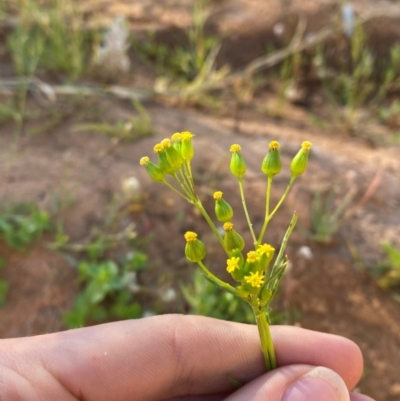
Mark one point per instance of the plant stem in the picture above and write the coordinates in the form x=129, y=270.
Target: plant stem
x=245, y=211
x=268, y=196
x=282, y=198
x=199, y=206
x=176, y=191
x=216, y=280
x=266, y=340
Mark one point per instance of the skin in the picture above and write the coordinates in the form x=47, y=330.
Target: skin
x=170, y=357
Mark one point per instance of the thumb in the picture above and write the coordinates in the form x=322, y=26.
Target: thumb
x=294, y=383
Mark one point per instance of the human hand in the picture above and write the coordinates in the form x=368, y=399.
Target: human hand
x=173, y=357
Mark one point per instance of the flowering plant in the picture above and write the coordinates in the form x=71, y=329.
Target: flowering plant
x=256, y=275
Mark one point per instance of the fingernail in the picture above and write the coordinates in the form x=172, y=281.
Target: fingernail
x=318, y=384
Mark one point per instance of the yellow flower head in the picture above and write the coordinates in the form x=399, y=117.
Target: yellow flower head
x=158, y=148
x=166, y=143
x=176, y=137
x=274, y=145
x=144, y=160
x=217, y=195
x=306, y=145
x=235, y=148
x=265, y=249
x=185, y=135
x=228, y=226
x=190, y=236
x=252, y=257
x=232, y=264
x=255, y=279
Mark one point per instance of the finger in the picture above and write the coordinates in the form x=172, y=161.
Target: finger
x=171, y=355
x=360, y=397
x=295, y=383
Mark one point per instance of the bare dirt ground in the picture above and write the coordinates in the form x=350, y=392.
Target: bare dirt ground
x=330, y=291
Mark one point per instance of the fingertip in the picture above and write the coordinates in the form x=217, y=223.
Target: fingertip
x=360, y=397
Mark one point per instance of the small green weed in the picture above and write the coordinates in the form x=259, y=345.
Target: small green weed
x=132, y=130
x=326, y=215
x=108, y=290
x=389, y=270
x=22, y=224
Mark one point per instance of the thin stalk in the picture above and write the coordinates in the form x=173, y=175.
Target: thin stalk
x=284, y=243
x=183, y=186
x=282, y=198
x=189, y=174
x=210, y=222
x=268, y=196
x=176, y=191
x=246, y=212
x=215, y=279
x=187, y=181
x=267, y=345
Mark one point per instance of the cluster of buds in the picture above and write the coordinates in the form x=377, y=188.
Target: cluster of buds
x=256, y=277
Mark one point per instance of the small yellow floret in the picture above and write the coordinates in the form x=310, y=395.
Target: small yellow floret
x=232, y=264
x=190, y=236
x=228, y=226
x=144, y=160
x=255, y=279
x=158, y=148
x=235, y=148
x=185, y=135
x=306, y=145
x=217, y=195
x=265, y=249
x=166, y=143
x=176, y=137
x=274, y=145
x=252, y=257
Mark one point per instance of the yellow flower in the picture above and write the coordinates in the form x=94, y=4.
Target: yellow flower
x=265, y=249
x=158, y=148
x=217, y=195
x=166, y=143
x=232, y=264
x=255, y=279
x=190, y=236
x=228, y=226
x=185, y=135
x=306, y=145
x=176, y=137
x=235, y=148
x=144, y=160
x=252, y=257
x=274, y=145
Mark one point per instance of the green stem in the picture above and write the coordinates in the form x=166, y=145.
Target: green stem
x=210, y=222
x=245, y=211
x=176, y=191
x=282, y=198
x=216, y=280
x=268, y=197
x=183, y=186
x=267, y=345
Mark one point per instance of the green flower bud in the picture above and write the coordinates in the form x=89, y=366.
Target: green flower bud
x=252, y=262
x=235, y=265
x=223, y=210
x=187, y=146
x=299, y=163
x=195, y=250
x=154, y=171
x=238, y=165
x=232, y=240
x=174, y=158
x=266, y=253
x=165, y=166
x=271, y=164
x=177, y=142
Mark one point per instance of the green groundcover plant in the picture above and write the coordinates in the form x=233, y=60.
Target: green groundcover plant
x=258, y=273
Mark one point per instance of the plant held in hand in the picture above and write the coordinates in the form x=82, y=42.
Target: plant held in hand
x=257, y=273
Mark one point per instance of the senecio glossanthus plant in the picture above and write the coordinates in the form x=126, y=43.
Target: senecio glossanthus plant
x=257, y=277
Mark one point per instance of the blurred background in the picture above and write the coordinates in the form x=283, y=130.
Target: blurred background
x=87, y=87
